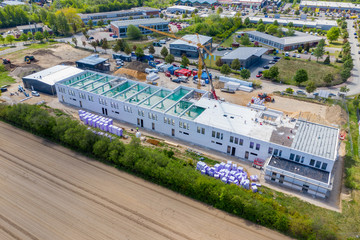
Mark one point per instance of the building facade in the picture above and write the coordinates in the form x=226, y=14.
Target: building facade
x=94, y=62
x=119, y=28
x=134, y=13
x=284, y=43
x=330, y=6
x=193, y=116
x=179, y=47
x=246, y=55
x=318, y=24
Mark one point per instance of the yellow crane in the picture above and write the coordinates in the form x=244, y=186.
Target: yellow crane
x=201, y=61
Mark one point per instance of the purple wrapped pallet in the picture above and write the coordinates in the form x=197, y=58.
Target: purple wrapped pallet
x=111, y=121
x=222, y=175
x=101, y=126
x=254, y=178
x=211, y=173
x=200, y=165
x=217, y=167
x=253, y=184
x=229, y=162
x=106, y=127
x=230, y=181
x=81, y=112
x=236, y=182
x=258, y=185
x=240, y=169
x=121, y=132
x=86, y=121
x=203, y=172
x=232, y=173
x=222, y=165
x=228, y=166
x=232, y=178
x=90, y=122
x=217, y=175
x=254, y=189
x=224, y=180
x=234, y=166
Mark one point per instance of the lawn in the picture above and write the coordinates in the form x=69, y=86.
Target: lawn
x=316, y=71
x=4, y=48
x=5, y=79
x=335, y=44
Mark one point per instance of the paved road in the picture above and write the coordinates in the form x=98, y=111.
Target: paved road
x=19, y=46
x=49, y=192
x=354, y=84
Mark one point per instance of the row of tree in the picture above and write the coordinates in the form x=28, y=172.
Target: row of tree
x=160, y=166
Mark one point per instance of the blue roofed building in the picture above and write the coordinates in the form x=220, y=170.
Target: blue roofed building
x=180, y=47
x=94, y=62
x=246, y=55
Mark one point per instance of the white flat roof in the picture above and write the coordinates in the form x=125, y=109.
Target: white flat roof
x=203, y=39
x=329, y=4
x=181, y=7
x=55, y=74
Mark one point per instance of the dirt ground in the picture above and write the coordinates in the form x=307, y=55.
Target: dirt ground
x=49, y=192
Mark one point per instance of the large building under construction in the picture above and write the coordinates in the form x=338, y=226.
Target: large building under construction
x=297, y=153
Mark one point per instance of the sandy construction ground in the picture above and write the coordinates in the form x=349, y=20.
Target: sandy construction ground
x=49, y=192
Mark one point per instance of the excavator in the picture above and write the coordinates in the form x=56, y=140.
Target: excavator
x=201, y=61
x=267, y=97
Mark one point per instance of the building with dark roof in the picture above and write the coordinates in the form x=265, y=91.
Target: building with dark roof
x=94, y=62
x=134, y=13
x=284, y=43
x=180, y=47
x=246, y=55
x=119, y=28
x=198, y=2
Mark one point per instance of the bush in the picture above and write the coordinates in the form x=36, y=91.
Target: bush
x=289, y=90
x=287, y=58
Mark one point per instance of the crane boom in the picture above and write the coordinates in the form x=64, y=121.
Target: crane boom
x=201, y=61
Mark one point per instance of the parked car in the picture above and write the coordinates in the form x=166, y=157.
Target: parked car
x=260, y=72
x=294, y=55
x=266, y=67
x=316, y=94
x=305, y=52
x=176, y=80
x=298, y=56
x=91, y=38
x=271, y=62
x=167, y=74
x=276, y=57
x=300, y=92
x=332, y=95
x=259, y=75
x=35, y=94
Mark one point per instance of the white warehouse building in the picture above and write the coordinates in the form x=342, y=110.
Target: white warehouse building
x=297, y=153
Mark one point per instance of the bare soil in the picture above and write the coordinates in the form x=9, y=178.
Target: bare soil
x=49, y=192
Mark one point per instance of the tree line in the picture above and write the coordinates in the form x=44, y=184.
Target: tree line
x=161, y=167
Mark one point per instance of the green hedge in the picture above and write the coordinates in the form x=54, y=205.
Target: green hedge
x=162, y=168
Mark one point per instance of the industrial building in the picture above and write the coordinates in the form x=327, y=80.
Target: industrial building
x=119, y=28
x=245, y=3
x=180, y=9
x=197, y=2
x=33, y=28
x=11, y=3
x=44, y=81
x=134, y=13
x=94, y=62
x=319, y=24
x=331, y=6
x=284, y=43
x=297, y=153
x=180, y=47
x=246, y=55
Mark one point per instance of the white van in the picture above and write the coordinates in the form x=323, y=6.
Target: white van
x=162, y=41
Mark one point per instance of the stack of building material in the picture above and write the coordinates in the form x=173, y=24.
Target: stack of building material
x=228, y=173
x=152, y=77
x=242, y=85
x=96, y=121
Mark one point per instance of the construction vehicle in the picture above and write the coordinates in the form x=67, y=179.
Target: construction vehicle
x=6, y=61
x=266, y=97
x=156, y=44
x=201, y=62
x=28, y=59
x=21, y=89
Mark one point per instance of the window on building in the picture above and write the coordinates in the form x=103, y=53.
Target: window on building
x=231, y=139
x=324, y=166
x=280, y=152
x=198, y=129
x=184, y=125
x=217, y=135
x=213, y=134
x=312, y=162
x=203, y=131
x=318, y=163
x=270, y=151
x=257, y=147
x=302, y=159
x=251, y=144
x=180, y=124
x=292, y=156
x=273, y=176
x=236, y=140
x=276, y=152
x=165, y=120
x=297, y=158
x=241, y=142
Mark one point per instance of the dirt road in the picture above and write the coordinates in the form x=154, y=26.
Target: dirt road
x=49, y=192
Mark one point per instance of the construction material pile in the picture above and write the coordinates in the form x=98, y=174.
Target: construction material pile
x=104, y=124
x=137, y=66
x=230, y=173
x=258, y=101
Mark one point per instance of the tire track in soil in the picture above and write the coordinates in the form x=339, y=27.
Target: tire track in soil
x=8, y=221
x=138, y=221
